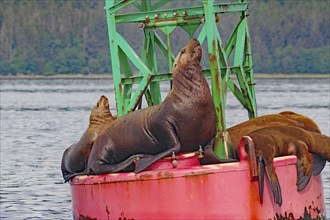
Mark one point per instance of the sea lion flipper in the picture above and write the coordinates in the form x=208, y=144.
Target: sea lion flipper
x=211, y=158
x=143, y=163
x=304, y=163
x=261, y=174
x=272, y=180
x=68, y=177
x=65, y=173
x=302, y=179
x=100, y=168
x=318, y=164
x=274, y=183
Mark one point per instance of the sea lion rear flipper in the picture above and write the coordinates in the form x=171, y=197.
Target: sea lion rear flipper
x=143, y=163
x=318, y=164
x=302, y=180
x=68, y=177
x=211, y=158
x=96, y=167
x=274, y=183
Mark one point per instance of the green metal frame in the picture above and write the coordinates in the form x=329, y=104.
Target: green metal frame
x=189, y=19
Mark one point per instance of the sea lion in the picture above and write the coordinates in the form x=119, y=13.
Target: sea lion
x=301, y=121
x=75, y=158
x=236, y=132
x=183, y=121
x=270, y=142
x=283, y=118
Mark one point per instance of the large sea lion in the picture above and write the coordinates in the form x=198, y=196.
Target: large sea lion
x=301, y=121
x=74, y=160
x=283, y=118
x=270, y=142
x=286, y=118
x=183, y=121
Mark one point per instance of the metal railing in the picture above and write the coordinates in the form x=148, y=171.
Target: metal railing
x=222, y=73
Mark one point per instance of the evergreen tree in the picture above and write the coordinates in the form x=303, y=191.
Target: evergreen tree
x=69, y=37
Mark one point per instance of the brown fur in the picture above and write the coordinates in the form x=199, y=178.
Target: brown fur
x=185, y=120
x=283, y=118
x=270, y=142
x=75, y=158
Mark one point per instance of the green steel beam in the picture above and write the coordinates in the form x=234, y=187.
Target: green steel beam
x=202, y=35
x=159, y=4
x=138, y=94
x=173, y=14
x=130, y=53
x=220, y=145
x=150, y=58
x=168, y=76
x=115, y=63
x=166, y=49
x=117, y=6
x=138, y=6
x=189, y=19
x=249, y=77
x=240, y=44
x=126, y=69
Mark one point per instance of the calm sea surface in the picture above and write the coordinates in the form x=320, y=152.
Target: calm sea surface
x=40, y=118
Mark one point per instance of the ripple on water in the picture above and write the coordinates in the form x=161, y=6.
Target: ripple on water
x=41, y=118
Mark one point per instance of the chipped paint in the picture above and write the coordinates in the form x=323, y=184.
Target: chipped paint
x=83, y=217
x=188, y=190
x=309, y=214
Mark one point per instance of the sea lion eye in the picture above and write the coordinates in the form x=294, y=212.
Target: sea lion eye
x=183, y=51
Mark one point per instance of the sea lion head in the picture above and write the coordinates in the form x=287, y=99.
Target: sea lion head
x=101, y=112
x=103, y=103
x=189, y=55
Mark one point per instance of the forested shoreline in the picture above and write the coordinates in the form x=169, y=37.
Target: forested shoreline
x=70, y=36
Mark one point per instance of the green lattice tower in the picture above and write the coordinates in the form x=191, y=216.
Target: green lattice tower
x=149, y=17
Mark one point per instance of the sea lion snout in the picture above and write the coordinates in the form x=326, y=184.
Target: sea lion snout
x=103, y=102
x=192, y=53
x=195, y=49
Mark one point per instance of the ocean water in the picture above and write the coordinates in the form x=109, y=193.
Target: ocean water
x=40, y=118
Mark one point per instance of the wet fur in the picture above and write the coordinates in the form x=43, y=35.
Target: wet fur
x=185, y=120
x=276, y=141
x=236, y=132
x=74, y=159
x=286, y=118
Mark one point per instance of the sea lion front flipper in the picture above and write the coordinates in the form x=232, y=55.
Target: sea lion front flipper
x=143, y=163
x=211, y=158
x=318, y=164
x=302, y=179
x=304, y=163
x=261, y=174
x=274, y=183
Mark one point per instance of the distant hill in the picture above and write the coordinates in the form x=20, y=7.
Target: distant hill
x=67, y=37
